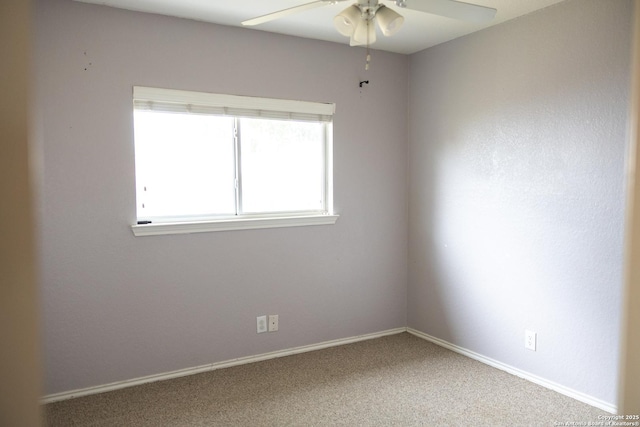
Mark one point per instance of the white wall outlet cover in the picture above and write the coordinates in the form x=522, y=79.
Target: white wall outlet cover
x=273, y=322
x=261, y=323
x=530, y=340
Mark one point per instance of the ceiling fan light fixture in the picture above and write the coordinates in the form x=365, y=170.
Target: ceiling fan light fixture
x=347, y=21
x=388, y=20
x=365, y=33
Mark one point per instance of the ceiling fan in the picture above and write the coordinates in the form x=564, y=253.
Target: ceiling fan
x=358, y=20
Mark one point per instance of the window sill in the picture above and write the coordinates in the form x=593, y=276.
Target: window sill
x=231, y=224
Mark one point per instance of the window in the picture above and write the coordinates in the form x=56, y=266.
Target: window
x=211, y=162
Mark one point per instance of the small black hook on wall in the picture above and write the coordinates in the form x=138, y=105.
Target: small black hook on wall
x=364, y=82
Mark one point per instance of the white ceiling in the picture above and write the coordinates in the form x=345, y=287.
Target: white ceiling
x=420, y=30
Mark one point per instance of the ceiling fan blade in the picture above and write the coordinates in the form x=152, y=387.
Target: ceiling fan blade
x=285, y=12
x=453, y=9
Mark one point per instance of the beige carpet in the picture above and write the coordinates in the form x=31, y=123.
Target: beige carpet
x=399, y=380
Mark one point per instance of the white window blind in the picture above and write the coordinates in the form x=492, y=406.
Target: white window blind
x=180, y=101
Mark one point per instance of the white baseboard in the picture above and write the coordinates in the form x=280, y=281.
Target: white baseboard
x=589, y=400
x=605, y=406
x=213, y=366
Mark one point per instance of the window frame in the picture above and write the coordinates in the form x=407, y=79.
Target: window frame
x=171, y=100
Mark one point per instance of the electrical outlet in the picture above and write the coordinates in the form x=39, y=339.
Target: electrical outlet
x=273, y=322
x=530, y=340
x=261, y=324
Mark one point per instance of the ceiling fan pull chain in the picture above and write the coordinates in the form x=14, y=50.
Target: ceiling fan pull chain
x=368, y=61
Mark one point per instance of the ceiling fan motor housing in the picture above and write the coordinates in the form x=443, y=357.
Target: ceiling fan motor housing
x=368, y=8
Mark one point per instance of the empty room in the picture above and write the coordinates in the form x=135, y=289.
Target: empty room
x=424, y=228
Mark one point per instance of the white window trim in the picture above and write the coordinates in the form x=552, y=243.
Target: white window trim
x=197, y=102
x=230, y=224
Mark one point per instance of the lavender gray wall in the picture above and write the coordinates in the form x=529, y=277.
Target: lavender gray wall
x=117, y=307
x=516, y=165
